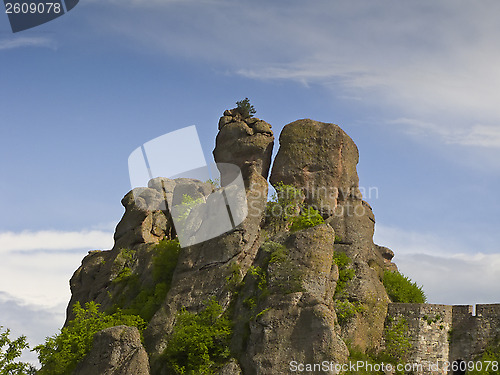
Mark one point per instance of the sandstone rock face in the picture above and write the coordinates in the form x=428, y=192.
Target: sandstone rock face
x=203, y=269
x=115, y=351
x=321, y=159
x=278, y=287
x=387, y=254
x=245, y=142
x=297, y=320
x=146, y=218
x=145, y=222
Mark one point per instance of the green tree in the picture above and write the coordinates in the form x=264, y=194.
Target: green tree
x=245, y=108
x=61, y=353
x=10, y=350
x=200, y=341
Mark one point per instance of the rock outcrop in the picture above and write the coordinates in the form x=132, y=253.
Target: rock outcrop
x=246, y=142
x=115, y=351
x=320, y=159
x=278, y=287
x=297, y=320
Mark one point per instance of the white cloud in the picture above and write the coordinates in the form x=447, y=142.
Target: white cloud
x=34, y=322
x=34, y=279
x=448, y=271
x=19, y=42
x=39, y=278
x=55, y=240
x=36, y=266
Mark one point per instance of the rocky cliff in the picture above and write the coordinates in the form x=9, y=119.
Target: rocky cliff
x=278, y=285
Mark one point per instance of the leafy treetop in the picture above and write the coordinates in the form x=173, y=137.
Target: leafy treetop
x=10, y=350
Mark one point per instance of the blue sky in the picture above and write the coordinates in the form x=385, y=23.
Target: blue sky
x=416, y=85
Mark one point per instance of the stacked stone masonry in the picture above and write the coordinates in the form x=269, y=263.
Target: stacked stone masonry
x=442, y=334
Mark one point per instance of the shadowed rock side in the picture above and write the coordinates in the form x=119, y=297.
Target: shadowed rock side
x=115, y=351
x=321, y=159
x=278, y=288
x=144, y=223
x=294, y=319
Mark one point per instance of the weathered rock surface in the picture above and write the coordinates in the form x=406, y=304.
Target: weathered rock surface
x=203, y=268
x=297, y=321
x=244, y=141
x=320, y=159
x=145, y=222
x=284, y=309
x=387, y=255
x=115, y=351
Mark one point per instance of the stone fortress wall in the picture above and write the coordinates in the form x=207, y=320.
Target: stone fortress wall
x=442, y=333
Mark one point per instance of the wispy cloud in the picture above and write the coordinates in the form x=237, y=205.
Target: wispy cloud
x=20, y=42
x=479, y=135
x=449, y=272
x=36, y=266
x=435, y=63
x=54, y=240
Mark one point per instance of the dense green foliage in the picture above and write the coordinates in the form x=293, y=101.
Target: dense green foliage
x=285, y=210
x=283, y=206
x=308, y=217
x=245, y=108
x=402, y=289
x=61, y=353
x=10, y=351
x=345, y=310
x=200, y=341
x=165, y=260
x=234, y=280
x=136, y=299
x=346, y=274
x=358, y=356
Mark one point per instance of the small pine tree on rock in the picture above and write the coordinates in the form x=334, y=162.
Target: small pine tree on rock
x=245, y=108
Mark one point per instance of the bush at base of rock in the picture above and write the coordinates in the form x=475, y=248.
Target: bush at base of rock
x=200, y=342
x=61, y=353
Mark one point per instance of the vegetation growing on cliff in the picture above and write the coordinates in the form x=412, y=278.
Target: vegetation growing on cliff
x=61, y=353
x=199, y=343
x=401, y=289
x=286, y=210
x=308, y=217
x=346, y=274
x=344, y=308
x=136, y=299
